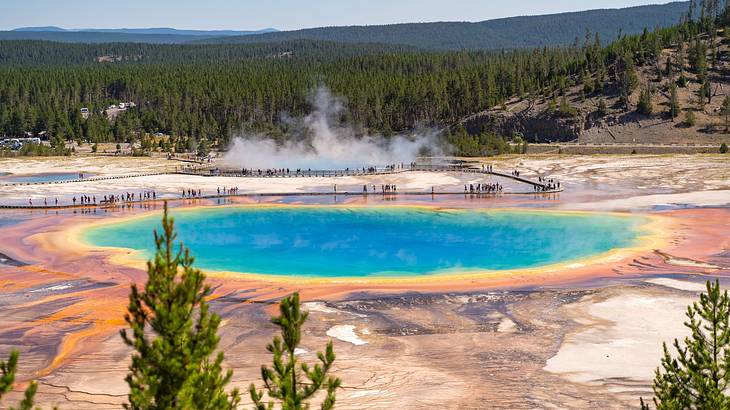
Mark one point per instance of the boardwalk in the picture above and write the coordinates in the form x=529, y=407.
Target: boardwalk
x=538, y=188
x=209, y=172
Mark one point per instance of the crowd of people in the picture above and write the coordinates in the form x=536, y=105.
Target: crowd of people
x=125, y=197
x=227, y=191
x=301, y=172
x=389, y=188
x=548, y=184
x=483, y=188
x=384, y=189
x=86, y=200
x=191, y=193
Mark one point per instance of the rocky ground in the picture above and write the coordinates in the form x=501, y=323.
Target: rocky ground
x=546, y=348
x=587, y=344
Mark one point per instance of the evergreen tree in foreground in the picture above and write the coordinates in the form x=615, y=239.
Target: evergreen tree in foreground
x=698, y=377
x=174, y=335
x=284, y=382
x=7, y=377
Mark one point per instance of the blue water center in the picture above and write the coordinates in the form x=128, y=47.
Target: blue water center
x=380, y=241
x=41, y=178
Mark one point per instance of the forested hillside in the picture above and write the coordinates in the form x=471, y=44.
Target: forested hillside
x=507, y=33
x=384, y=92
x=207, y=94
x=46, y=53
x=678, y=93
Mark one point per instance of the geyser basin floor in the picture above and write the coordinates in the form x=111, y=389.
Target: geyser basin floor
x=376, y=242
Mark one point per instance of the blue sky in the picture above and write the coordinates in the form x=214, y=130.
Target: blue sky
x=281, y=14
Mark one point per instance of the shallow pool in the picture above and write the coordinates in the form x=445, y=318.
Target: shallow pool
x=39, y=178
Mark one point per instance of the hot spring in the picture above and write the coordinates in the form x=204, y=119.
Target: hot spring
x=42, y=178
x=332, y=242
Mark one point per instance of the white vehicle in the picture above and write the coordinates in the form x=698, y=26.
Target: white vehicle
x=12, y=143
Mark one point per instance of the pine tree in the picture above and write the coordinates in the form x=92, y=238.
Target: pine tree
x=627, y=78
x=8, y=370
x=174, y=335
x=645, y=105
x=7, y=378
x=668, y=69
x=284, y=382
x=698, y=60
x=681, y=60
x=674, y=108
x=705, y=94
x=699, y=375
x=689, y=118
x=725, y=111
x=566, y=110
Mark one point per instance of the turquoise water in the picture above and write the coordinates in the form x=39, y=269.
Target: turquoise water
x=37, y=178
x=359, y=242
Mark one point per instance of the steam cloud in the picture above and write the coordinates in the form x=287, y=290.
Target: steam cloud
x=320, y=143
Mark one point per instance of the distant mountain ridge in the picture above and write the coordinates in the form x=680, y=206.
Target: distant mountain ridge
x=43, y=28
x=505, y=33
x=161, y=35
x=151, y=30
x=101, y=37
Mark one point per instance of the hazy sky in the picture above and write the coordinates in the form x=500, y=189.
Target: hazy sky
x=281, y=14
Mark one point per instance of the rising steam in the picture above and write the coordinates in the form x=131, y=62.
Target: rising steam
x=319, y=142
